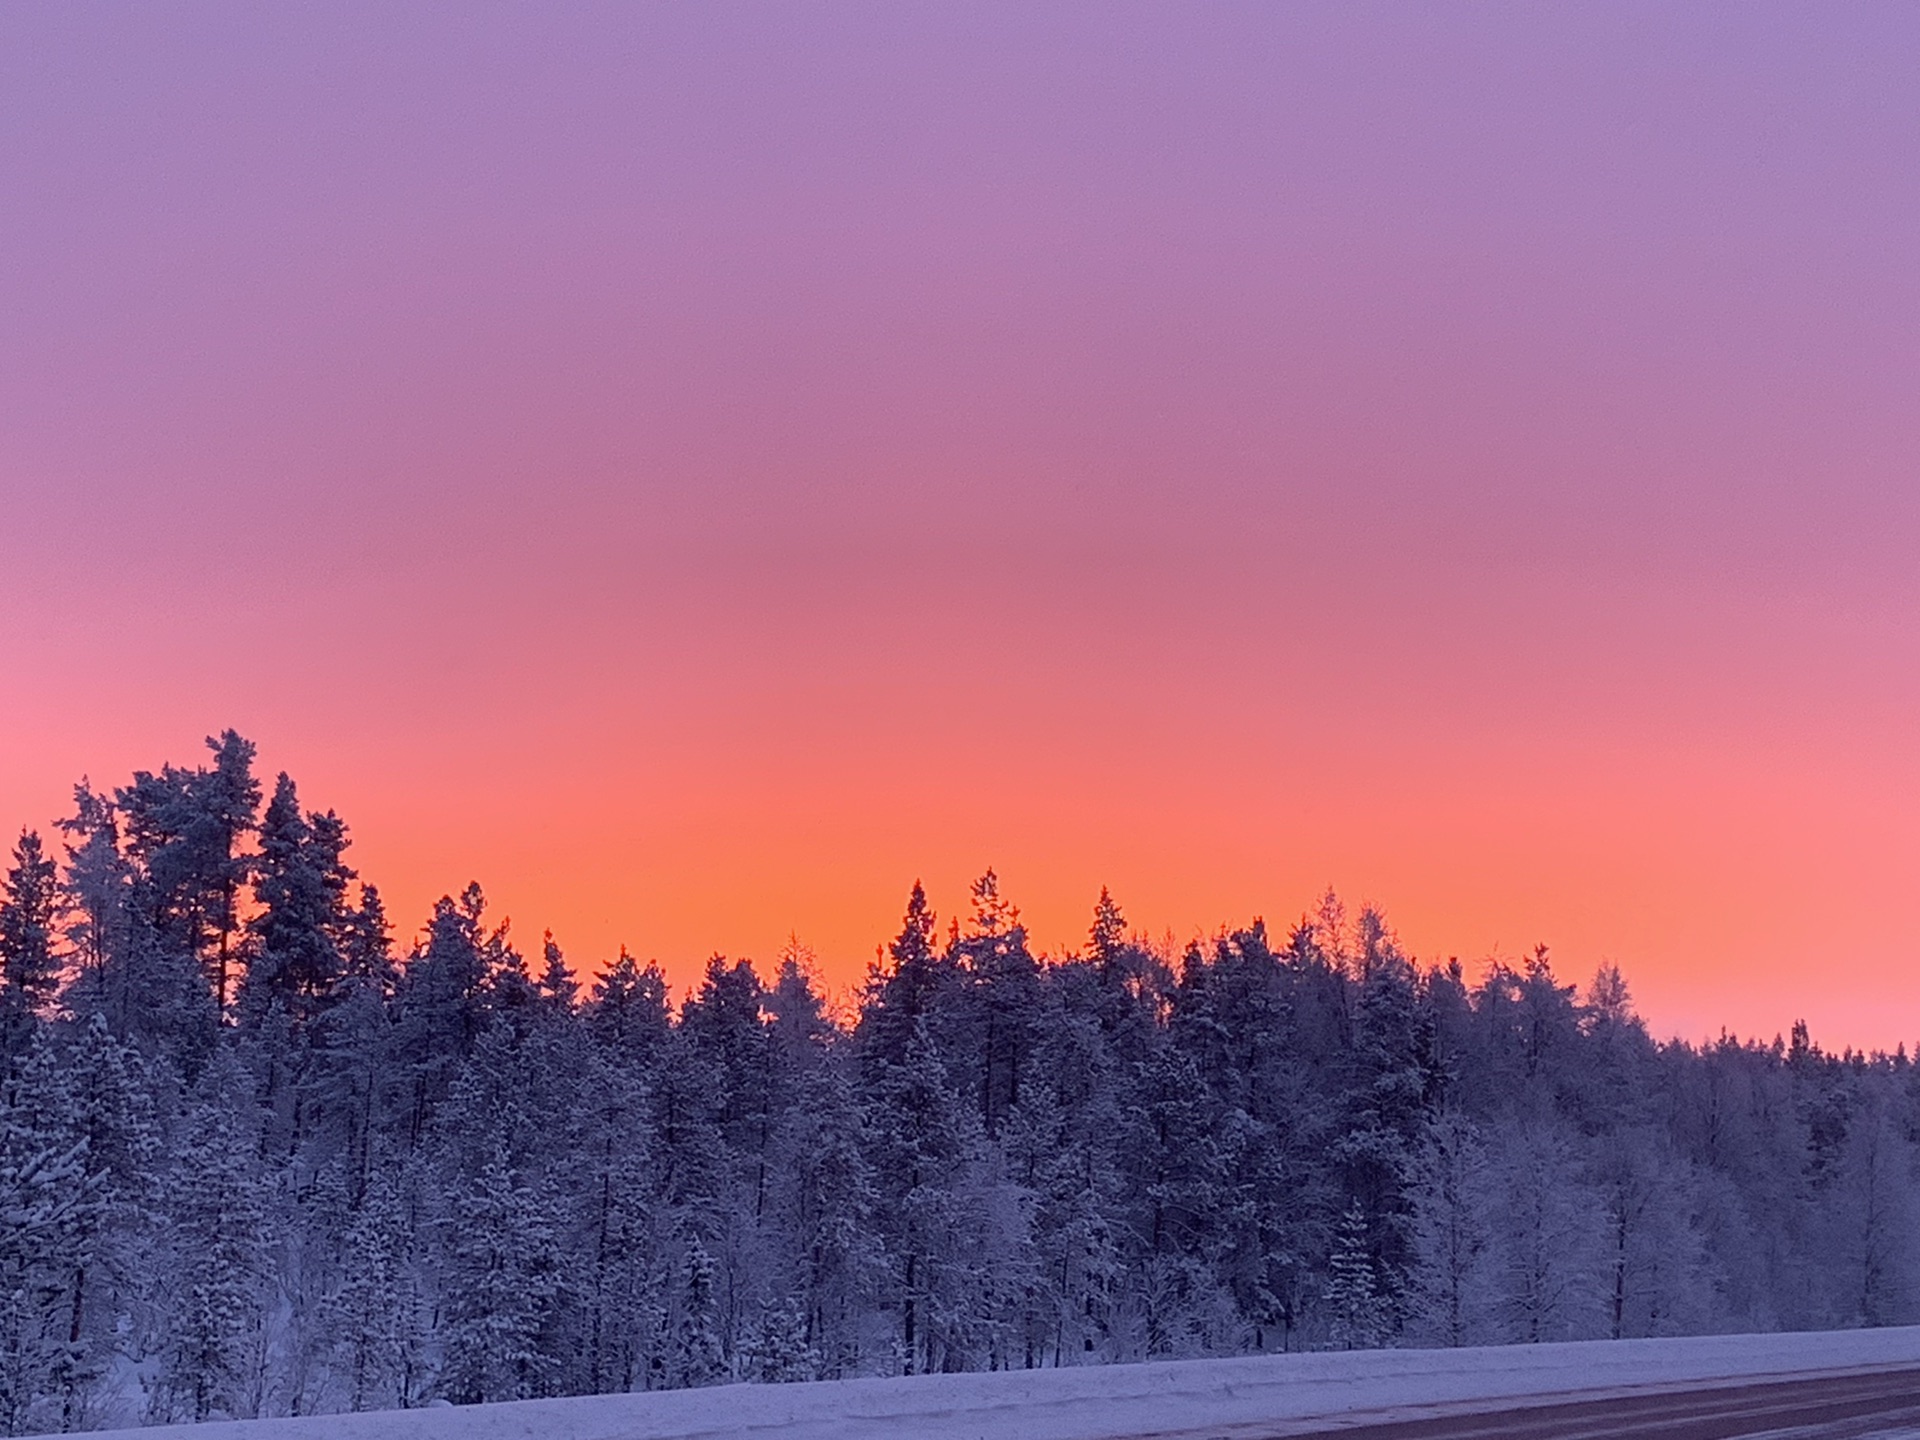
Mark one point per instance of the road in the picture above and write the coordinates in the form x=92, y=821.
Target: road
x=1880, y=1403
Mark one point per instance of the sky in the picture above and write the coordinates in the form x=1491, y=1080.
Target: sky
x=697, y=468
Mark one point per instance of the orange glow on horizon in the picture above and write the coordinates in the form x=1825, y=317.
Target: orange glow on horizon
x=1460, y=456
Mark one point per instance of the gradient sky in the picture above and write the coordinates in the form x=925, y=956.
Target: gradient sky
x=697, y=468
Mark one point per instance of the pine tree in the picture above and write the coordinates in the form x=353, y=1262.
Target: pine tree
x=777, y=1350
x=558, y=988
x=29, y=925
x=1386, y=1109
x=1359, y=1315
x=628, y=1009
x=901, y=992
x=502, y=1288
x=619, y=1220
x=366, y=951
x=370, y=1315
x=696, y=1357
x=186, y=829
x=216, y=1258
x=95, y=882
x=922, y=1141
x=442, y=1002
x=825, y=1199
x=1002, y=1016
x=300, y=882
x=111, y=1094
x=50, y=1204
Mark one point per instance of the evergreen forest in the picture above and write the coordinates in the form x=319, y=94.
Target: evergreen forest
x=264, y=1151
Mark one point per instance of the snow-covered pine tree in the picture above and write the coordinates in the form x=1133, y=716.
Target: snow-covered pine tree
x=695, y=1357
x=1546, y=1235
x=501, y=1288
x=999, y=1022
x=617, y=1218
x=109, y=1092
x=559, y=990
x=94, y=884
x=922, y=1140
x=1359, y=1316
x=1385, y=1111
x=30, y=905
x=777, y=1351
x=50, y=1204
x=825, y=1200
x=187, y=830
x=441, y=1005
x=902, y=989
x=1449, y=1295
x=371, y=1317
x=300, y=885
x=216, y=1265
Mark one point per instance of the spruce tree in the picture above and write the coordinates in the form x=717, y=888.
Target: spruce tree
x=502, y=1288
x=1003, y=1016
x=50, y=1204
x=826, y=1200
x=696, y=1357
x=777, y=1350
x=370, y=1316
x=29, y=927
x=111, y=1094
x=95, y=882
x=1357, y=1312
x=300, y=884
x=903, y=989
x=216, y=1253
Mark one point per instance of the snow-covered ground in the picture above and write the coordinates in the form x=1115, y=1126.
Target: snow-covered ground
x=1102, y=1402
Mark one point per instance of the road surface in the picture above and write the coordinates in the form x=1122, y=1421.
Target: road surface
x=1881, y=1403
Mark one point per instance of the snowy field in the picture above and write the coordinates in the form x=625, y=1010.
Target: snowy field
x=1110, y=1401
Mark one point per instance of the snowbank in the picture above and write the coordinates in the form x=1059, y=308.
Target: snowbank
x=1101, y=1402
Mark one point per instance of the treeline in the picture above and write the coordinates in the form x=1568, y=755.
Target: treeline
x=255, y=1159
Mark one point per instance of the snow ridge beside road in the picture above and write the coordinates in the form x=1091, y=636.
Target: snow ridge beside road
x=1109, y=1402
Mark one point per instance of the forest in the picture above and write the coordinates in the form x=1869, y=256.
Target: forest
x=263, y=1152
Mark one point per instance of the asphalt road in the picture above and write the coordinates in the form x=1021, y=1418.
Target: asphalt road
x=1853, y=1406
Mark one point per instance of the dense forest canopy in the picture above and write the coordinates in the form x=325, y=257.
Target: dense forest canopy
x=256, y=1158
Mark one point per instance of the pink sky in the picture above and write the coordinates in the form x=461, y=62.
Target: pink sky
x=696, y=469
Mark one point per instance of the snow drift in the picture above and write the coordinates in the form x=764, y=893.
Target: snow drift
x=1110, y=1401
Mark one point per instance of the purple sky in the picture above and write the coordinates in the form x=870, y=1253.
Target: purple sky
x=1464, y=454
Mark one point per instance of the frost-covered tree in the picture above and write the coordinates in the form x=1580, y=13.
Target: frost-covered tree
x=922, y=1142
x=825, y=1200
x=256, y=1159
x=215, y=1248
x=778, y=1350
x=1450, y=1290
x=1546, y=1232
x=107, y=1093
x=694, y=1356
x=30, y=908
x=95, y=883
x=502, y=1288
x=371, y=1318
x=303, y=916
x=187, y=829
x=51, y=1199
x=1361, y=1315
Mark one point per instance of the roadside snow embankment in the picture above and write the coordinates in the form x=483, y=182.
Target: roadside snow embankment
x=1108, y=1402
